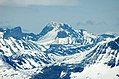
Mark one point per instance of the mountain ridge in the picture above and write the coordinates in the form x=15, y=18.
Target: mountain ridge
x=57, y=46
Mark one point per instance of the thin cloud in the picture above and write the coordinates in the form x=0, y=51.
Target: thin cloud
x=39, y=2
x=92, y=22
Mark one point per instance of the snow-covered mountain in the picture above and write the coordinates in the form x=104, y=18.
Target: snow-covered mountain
x=59, y=33
x=57, y=52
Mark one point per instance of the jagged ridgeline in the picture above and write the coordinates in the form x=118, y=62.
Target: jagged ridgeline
x=55, y=53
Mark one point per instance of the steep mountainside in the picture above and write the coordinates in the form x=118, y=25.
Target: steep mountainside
x=57, y=52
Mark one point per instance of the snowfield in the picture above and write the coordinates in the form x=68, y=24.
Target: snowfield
x=97, y=71
x=58, y=52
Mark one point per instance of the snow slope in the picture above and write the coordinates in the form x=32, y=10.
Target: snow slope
x=97, y=71
x=58, y=52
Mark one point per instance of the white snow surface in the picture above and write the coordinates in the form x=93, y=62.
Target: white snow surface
x=97, y=71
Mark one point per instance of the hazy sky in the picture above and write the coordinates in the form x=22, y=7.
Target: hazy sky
x=97, y=16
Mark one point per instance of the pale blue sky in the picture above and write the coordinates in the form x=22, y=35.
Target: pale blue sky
x=96, y=16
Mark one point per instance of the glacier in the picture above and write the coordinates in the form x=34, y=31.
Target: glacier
x=58, y=52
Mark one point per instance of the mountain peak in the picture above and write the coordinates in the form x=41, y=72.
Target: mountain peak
x=57, y=24
x=53, y=24
x=59, y=50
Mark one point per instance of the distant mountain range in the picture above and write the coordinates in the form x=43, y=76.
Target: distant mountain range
x=58, y=52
